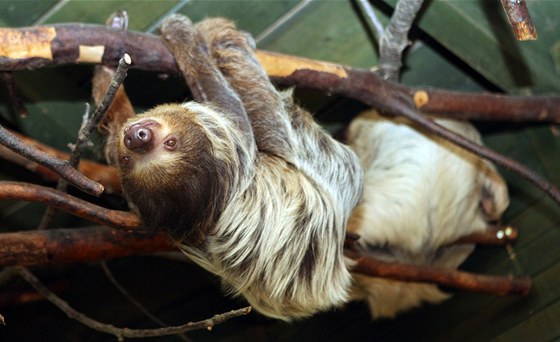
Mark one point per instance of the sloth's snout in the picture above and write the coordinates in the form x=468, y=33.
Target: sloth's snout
x=139, y=137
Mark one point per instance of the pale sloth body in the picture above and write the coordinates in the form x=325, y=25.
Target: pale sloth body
x=421, y=193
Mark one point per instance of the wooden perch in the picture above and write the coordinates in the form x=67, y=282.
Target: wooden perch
x=42, y=46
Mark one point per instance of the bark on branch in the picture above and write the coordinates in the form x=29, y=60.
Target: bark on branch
x=43, y=46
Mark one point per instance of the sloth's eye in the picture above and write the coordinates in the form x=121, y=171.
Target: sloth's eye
x=171, y=144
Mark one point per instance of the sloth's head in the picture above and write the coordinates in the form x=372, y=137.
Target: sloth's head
x=168, y=170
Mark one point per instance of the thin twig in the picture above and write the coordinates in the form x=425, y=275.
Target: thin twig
x=47, y=217
x=62, y=185
x=85, y=132
x=121, y=333
x=87, y=127
x=395, y=38
x=520, y=19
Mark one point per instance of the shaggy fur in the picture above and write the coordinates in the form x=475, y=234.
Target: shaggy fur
x=420, y=194
x=254, y=189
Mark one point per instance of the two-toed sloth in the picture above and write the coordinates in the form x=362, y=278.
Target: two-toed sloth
x=421, y=194
x=257, y=193
x=253, y=189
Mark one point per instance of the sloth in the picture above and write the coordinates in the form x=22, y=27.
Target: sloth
x=421, y=193
x=251, y=188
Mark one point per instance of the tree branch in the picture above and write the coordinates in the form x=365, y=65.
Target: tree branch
x=62, y=44
x=387, y=101
x=495, y=235
x=93, y=122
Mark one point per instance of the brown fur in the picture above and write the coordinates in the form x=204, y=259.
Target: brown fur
x=252, y=188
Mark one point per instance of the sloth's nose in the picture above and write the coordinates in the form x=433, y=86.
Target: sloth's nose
x=138, y=138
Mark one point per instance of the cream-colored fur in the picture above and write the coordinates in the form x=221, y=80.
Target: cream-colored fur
x=286, y=187
x=420, y=194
